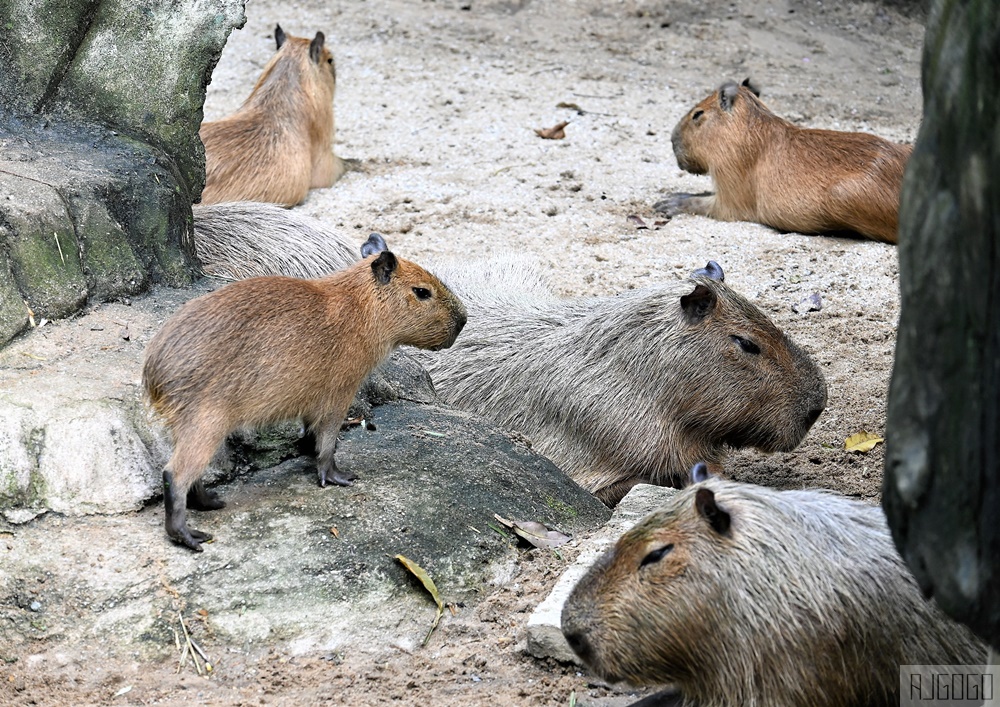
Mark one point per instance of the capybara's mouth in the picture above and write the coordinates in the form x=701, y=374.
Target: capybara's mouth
x=687, y=165
x=459, y=324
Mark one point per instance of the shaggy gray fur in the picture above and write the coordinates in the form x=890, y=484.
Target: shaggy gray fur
x=242, y=239
x=617, y=390
x=804, y=600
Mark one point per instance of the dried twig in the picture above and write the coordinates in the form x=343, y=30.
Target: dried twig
x=194, y=649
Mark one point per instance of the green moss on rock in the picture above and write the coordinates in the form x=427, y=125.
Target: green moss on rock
x=111, y=267
x=44, y=256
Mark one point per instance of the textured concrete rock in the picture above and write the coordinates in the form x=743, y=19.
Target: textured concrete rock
x=137, y=66
x=100, y=104
x=545, y=637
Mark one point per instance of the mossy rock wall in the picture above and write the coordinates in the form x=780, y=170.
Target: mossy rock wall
x=100, y=160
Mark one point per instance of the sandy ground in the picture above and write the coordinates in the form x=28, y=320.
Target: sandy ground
x=437, y=102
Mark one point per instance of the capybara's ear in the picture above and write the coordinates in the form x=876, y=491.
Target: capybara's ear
x=698, y=304
x=716, y=516
x=383, y=267
x=279, y=36
x=712, y=271
x=750, y=87
x=316, y=47
x=374, y=244
x=699, y=473
x=727, y=95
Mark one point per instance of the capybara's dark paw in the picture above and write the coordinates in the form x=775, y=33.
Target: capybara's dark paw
x=341, y=478
x=189, y=537
x=672, y=205
x=201, y=499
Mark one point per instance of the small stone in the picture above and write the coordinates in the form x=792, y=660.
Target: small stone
x=36, y=606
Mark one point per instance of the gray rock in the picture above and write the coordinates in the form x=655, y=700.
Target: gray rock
x=100, y=104
x=138, y=66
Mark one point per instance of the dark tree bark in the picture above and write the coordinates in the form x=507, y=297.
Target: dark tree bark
x=942, y=477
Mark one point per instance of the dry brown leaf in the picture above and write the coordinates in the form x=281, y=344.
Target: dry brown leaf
x=334, y=532
x=538, y=535
x=556, y=132
x=535, y=533
x=862, y=442
x=425, y=579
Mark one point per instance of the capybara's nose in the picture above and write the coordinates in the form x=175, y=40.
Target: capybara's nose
x=580, y=645
x=813, y=416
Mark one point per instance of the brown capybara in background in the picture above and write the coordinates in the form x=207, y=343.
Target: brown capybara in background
x=274, y=348
x=240, y=239
x=736, y=594
x=768, y=170
x=628, y=389
x=279, y=144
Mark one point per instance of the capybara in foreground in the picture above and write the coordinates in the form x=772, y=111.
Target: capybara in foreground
x=240, y=239
x=741, y=595
x=628, y=389
x=279, y=144
x=274, y=348
x=768, y=170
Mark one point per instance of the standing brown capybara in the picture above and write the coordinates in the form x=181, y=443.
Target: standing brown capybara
x=240, y=239
x=741, y=595
x=768, y=170
x=627, y=389
x=279, y=144
x=276, y=348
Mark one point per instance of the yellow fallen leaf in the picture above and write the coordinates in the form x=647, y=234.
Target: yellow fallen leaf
x=425, y=579
x=862, y=442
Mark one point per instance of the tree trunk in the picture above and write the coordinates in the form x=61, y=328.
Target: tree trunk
x=942, y=477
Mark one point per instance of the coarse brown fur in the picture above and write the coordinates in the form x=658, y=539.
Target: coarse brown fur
x=273, y=348
x=628, y=389
x=768, y=170
x=279, y=144
x=740, y=595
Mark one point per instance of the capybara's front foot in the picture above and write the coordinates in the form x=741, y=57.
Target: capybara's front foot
x=188, y=537
x=684, y=203
x=201, y=499
x=330, y=472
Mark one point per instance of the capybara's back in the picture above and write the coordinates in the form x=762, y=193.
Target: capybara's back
x=241, y=239
x=626, y=389
x=279, y=144
x=742, y=595
x=768, y=170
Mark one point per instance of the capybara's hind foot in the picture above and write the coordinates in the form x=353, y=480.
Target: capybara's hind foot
x=201, y=499
x=341, y=478
x=188, y=537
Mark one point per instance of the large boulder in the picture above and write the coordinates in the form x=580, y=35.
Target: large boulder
x=100, y=104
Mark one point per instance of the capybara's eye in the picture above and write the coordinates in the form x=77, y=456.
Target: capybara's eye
x=697, y=114
x=747, y=345
x=656, y=555
x=330, y=60
x=422, y=292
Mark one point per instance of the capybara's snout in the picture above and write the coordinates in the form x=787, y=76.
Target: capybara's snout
x=458, y=320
